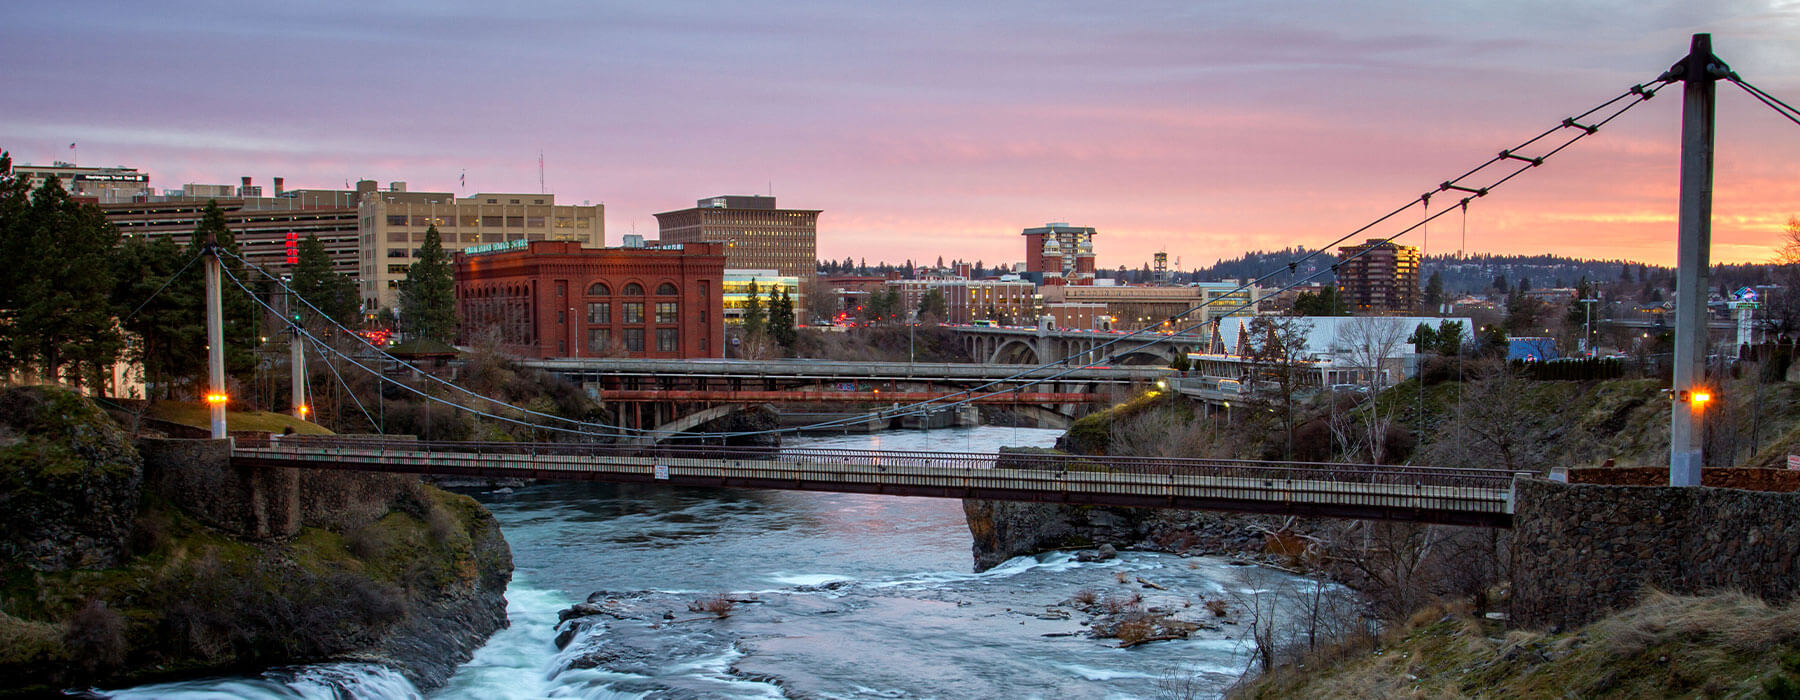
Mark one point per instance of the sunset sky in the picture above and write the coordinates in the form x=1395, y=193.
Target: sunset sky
x=937, y=128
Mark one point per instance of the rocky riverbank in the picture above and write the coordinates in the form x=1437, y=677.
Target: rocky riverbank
x=125, y=563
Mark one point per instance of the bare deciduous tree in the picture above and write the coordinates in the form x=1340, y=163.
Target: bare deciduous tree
x=1372, y=345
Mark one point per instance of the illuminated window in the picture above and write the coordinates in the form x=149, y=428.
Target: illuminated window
x=666, y=312
x=633, y=312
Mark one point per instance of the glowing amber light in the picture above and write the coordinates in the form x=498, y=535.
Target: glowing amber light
x=305, y=410
x=1699, y=399
x=217, y=398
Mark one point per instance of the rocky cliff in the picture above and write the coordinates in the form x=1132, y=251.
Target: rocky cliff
x=120, y=566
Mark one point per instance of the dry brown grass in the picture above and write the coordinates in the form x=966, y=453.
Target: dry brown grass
x=1218, y=607
x=1733, y=620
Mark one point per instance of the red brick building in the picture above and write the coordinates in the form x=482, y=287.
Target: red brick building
x=557, y=299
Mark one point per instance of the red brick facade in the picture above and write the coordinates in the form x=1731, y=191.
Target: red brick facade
x=556, y=299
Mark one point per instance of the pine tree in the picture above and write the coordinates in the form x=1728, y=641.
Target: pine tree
x=781, y=319
x=61, y=313
x=1433, y=299
x=755, y=321
x=428, y=294
x=164, y=313
x=332, y=292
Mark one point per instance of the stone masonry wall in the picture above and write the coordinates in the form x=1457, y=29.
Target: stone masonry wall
x=1581, y=550
x=197, y=475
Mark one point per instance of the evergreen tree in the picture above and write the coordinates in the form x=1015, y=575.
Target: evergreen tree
x=332, y=292
x=61, y=319
x=168, y=326
x=1433, y=299
x=932, y=305
x=781, y=319
x=1325, y=303
x=428, y=294
x=1500, y=284
x=755, y=321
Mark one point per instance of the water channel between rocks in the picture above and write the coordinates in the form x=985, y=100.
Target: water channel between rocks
x=839, y=596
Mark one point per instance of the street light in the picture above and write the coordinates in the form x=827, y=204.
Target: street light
x=1587, y=332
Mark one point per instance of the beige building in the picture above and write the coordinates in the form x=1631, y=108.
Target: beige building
x=1132, y=308
x=967, y=301
x=393, y=222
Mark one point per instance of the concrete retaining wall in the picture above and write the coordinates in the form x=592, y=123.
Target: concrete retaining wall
x=1581, y=550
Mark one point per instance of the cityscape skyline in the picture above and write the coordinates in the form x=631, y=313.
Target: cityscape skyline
x=1203, y=131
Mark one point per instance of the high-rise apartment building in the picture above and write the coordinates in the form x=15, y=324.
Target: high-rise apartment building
x=1379, y=278
x=393, y=223
x=1059, y=251
x=757, y=236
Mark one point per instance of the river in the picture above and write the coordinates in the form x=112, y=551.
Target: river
x=837, y=596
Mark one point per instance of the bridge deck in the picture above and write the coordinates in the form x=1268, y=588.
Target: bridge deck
x=1444, y=496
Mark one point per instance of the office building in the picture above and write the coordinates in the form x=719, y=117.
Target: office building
x=965, y=301
x=100, y=185
x=547, y=299
x=1058, y=251
x=264, y=227
x=393, y=223
x=757, y=236
x=1379, y=278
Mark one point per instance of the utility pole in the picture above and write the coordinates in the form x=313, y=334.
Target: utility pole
x=1699, y=70
x=297, y=371
x=215, y=340
x=1587, y=328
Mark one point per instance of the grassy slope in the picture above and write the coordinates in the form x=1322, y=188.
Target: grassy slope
x=195, y=414
x=1723, y=646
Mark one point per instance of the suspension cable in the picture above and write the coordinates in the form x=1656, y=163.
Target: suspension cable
x=346, y=385
x=1782, y=108
x=159, y=290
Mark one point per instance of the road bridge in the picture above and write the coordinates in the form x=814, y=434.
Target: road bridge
x=1042, y=345
x=1481, y=497
x=672, y=396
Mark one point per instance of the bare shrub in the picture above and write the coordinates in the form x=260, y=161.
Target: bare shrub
x=717, y=605
x=1218, y=607
x=1085, y=597
x=1134, y=629
x=95, y=635
x=367, y=542
x=440, y=524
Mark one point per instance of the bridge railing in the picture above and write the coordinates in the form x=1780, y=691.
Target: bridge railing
x=884, y=459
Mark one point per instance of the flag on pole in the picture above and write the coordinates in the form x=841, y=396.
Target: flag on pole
x=71, y=145
x=463, y=179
